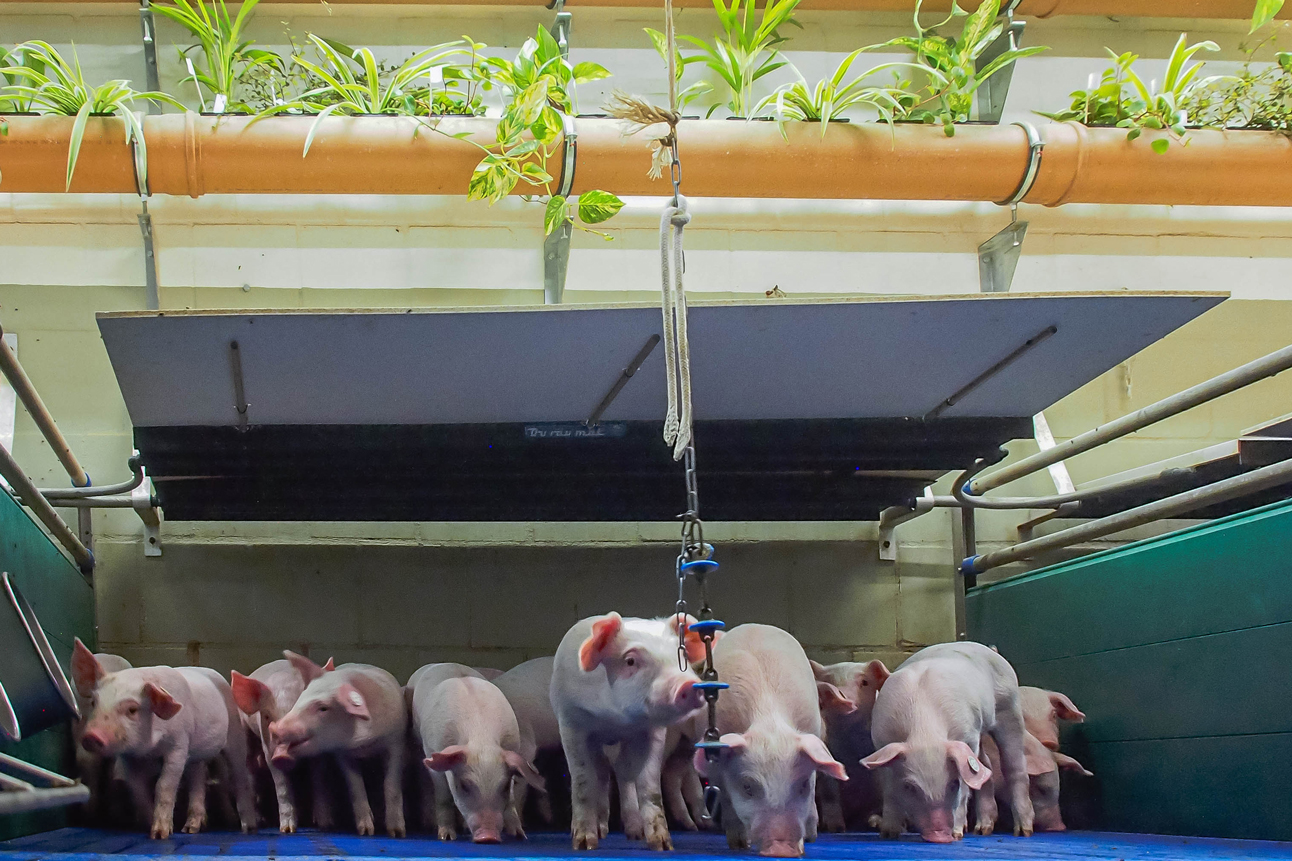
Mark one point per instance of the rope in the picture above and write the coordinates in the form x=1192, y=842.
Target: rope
x=670, y=40
x=677, y=350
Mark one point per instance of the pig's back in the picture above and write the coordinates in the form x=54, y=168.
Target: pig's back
x=283, y=682
x=214, y=712
x=528, y=690
x=769, y=673
x=112, y=663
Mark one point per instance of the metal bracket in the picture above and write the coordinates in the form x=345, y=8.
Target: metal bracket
x=1014, y=355
x=556, y=246
x=624, y=376
x=143, y=501
x=150, y=51
x=240, y=404
x=998, y=256
x=152, y=294
x=992, y=94
x=891, y=518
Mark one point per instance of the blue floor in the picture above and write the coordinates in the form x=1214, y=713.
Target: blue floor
x=83, y=844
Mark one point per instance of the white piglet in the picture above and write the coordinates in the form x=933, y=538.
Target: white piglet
x=928, y=720
x=357, y=712
x=616, y=680
x=770, y=721
x=472, y=744
x=183, y=717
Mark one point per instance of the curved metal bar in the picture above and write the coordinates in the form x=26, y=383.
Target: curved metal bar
x=30, y=398
x=45, y=513
x=960, y=496
x=62, y=494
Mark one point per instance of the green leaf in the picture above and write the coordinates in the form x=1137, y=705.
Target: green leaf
x=529, y=105
x=1264, y=13
x=585, y=72
x=1160, y=145
x=596, y=206
x=555, y=214
x=534, y=174
x=547, y=47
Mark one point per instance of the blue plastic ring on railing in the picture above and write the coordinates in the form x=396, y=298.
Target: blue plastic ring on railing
x=711, y=686
x=699, y=566
x=707, y=625
x=967, y=490
x=969, y=565
x=711, y=745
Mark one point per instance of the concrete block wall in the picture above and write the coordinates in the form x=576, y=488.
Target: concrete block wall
x=234, y=594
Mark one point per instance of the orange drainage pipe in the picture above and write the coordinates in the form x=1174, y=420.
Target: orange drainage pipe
x=1034, y=8
x=192, y=155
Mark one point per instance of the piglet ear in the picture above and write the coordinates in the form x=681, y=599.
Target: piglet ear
x=815, y=750
x=329, y=666
x=86, y=669
x=1062, y=760
x=1065, y=708
x=251, y=694
x=819, y=671
x=163, y=704
x=874, y=675
x=1039, y=762
x=973, y=771
x=448, y=759
x=593, y=650
x=308, y=669
x=832, y=701
x=885, y=756
x=522, y=768
x=352, y=701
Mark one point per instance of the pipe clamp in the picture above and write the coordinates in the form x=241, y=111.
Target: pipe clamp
x=1035, y=146
x=567, y=161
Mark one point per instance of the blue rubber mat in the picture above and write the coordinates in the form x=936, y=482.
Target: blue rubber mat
x=82, y=844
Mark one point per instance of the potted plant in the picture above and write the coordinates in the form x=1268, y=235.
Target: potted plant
x=228, y=56
x=55, y=86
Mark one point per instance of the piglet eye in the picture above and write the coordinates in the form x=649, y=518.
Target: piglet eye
x=864, y=683
x=630, y=661
x=322, y=707
x=132, y=711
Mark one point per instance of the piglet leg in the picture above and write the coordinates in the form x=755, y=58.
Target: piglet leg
x=1008, y=734
x=196, y=774
x=321, y=810
x=358, y=796
x=589, y=787
x=393, y=787
x=167, y=786
x=643, y=757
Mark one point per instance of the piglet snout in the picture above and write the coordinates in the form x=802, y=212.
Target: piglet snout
x=782, y=849
x=486, y=835
x=94, y=741
x=687, y=696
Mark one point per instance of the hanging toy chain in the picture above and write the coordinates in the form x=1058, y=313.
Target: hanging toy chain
x=695, y=558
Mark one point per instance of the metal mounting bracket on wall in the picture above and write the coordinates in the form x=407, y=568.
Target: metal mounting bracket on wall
x=994, y=91
x=149, y=26
x=556, y=247
x=144, y=501
x=891, y=518
x=152, y=295
x=998, y=256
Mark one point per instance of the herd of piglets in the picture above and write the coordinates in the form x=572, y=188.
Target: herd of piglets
x=804, y=746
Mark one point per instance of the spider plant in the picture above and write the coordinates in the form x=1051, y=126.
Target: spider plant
x=12, y=101
x=349, y=91
x=1144, y=105
x=55, y=86
x=747, y=49
x=685, y=95
x=950, y=64
x=229, y=57
x=831, y=97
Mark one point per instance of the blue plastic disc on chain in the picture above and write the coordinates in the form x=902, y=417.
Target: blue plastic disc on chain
x=699, y=566
x=711, y=745
x=711, y=686
x=707, y=625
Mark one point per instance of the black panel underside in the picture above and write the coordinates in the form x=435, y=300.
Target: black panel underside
x=820, y=469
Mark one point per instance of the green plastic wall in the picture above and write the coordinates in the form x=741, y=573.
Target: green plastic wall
x=1178, y=650
x=64, y=603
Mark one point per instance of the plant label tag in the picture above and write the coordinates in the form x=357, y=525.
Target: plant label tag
x=436, y=75
x=220, y=102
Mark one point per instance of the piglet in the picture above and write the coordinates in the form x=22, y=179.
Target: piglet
x=357, y=712
x=846, y=694
x=95, y=770
x=1043, y=766
x=1042, y=711
x=528, y=689
x=770, y=721
x=616, y=680
x=928, y=721
x=471, y=740
x=264, y=697
x=184, y=717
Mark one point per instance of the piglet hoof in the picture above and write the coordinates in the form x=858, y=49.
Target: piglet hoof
x=957, y=834
x=983, y=829
x=603, y=828
x=365, y=827
x=889, y=833
x=1020, y=831
x=634, y=830
x=286, y=828
x=736, y=842
x=875, y=821
x=447, y=833
x=161, y=829
x=657, y=836
x=585, y=840
x=396, y=830
x=516, y=832
x=322, y=820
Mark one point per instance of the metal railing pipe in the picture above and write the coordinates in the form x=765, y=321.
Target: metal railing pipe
x=26, y=392
x=1212, y=494
x=1267, y=366
x=45, y=513
x=25, y=801
x=62, y=494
